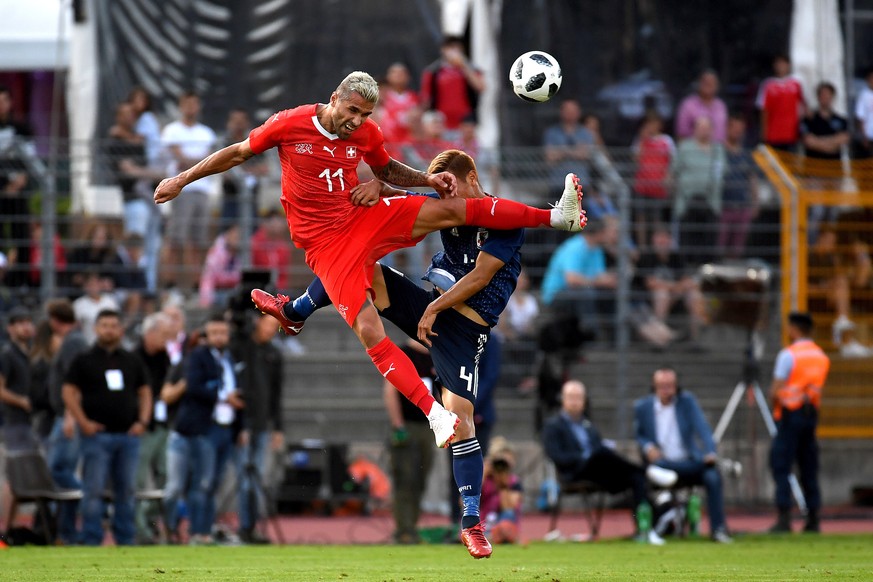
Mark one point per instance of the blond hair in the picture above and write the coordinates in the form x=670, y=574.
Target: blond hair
x=361, y=83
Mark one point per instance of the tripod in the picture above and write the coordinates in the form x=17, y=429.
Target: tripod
x=751, y=385
x=259, y=491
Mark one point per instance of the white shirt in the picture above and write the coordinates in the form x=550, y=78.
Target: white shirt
x=86, y=309
x=196, y=142
x=667, y=432
x=520, y=311
x=864, y=110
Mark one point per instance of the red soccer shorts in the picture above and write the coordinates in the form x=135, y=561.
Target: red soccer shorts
x=345, y=263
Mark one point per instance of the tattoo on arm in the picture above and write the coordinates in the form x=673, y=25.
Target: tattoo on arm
x=400, y=174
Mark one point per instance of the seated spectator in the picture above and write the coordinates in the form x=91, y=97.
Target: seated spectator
x=223, y=269
x=96, y=298
x=575, y=446
x=518, y=326
x=15, y=383
x=95, y=253
x=740, y=195
x=128, y=274
x=271, y=248
x=500, y=502
x=568, y=146
x=577, y=280
x=672, y=433
x=653, y=150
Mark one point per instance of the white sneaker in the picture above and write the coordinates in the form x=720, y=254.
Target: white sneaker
x=660, y=476
x=855, y=349
x=655, y=539
x=840, y=325
x=567, y=213
x=443, y=424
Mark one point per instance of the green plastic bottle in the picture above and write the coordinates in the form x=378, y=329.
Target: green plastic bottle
x=694, y=514
x=644, y=520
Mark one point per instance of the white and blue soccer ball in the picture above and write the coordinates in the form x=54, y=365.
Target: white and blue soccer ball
x=535, y=76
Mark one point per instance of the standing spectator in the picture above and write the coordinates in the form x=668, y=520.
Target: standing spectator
x=780, y=99
x=176, y=344
x=411, y=448
x=654, y=151
x=15, y=185
x=451, y=85
x=864, y=115
x=705, y=103
x=698, y=171
x=187, y=141
x=223, y=269
x=106, y=390
x=151, y=469
x=798, y=378
x=128, y=275
x=146, y=124
x=261, y=388
x=825, y=132
x=399, y=107
x=740, y=195
x=673, y=434
x=518, y=326
x=271, y=248
x=15, y=381
x=89, y=305
x=94, y=256
x=568, y=146
x=190, y=456
x=64, y=445
x=45, y=346
x=246, y=176
x=35, y=254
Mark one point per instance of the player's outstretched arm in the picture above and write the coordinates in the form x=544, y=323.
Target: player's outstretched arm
x=400, y=174
x=215, y=163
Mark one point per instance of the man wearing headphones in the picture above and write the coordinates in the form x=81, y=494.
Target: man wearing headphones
x=673, y=434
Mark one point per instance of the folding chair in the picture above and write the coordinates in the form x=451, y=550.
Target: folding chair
x=593, y=503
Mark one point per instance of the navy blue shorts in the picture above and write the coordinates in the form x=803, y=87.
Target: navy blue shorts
x=457, y=348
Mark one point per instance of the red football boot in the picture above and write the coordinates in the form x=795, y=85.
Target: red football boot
x=476, y=542
x=274, y=305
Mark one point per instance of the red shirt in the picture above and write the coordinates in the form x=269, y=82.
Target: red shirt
x=395, y=119
x=782, y=99
x=653, y=166
x=453, y=98
x=274, y=255
x=318, y=169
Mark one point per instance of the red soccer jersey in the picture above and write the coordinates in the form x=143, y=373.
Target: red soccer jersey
x=318, y=169
x=782, y=99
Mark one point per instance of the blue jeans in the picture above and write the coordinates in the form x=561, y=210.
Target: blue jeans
x=143, y=218
x=63, y=458
x=105, y=455
x=695, y=473
x=252, y=458
x=190, y=461
x=222, y=441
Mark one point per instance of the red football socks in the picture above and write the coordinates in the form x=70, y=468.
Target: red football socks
x=398, y=369
x=503, y=214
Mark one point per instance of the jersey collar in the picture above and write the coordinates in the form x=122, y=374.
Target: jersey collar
x=321, y=130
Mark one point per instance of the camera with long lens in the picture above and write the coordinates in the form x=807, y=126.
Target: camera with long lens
x=239, y=302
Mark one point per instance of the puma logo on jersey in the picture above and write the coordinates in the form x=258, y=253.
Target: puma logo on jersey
x=390, y=369
x=493, y=205
x=330, y=150
x=274, y=118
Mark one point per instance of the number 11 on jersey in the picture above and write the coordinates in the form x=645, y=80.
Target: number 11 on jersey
x=327, y=177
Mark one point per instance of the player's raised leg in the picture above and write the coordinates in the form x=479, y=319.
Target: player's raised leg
x=292, y=314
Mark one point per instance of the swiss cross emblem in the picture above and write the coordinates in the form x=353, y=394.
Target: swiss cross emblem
x=351, y=152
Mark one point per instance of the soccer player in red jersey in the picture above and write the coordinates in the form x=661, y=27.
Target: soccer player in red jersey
x=345, y=228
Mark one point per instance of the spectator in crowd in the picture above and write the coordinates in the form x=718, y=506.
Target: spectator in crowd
x=451, y=85
x=246, y=176
x=577, y=280
x=824, y=132
x=190, y=456
x=411, y=448
x=63, y=445
x=653, y=151
x=187, y=141
x=740, y=194
x=223, y=269
x=129, y=276
x=8, y=297
x=592, y=123
x=518, y=328
x=106, y=390
x=15, y=381
x=151, y=469
x=433, y=138
x=15, y=185
x=864, y=116
x=666, y=279
x=399, y=107
x=799, y=376
x=261, y=388
x=672, y=433
x=698, y=171
x=176, y=344
x=45, y=346
x=501, y=494
x=829, y=285
x=94, y=300
x=34, y=275
x=780, y=99
x=568, y=146
x=93, y=256
x=575, y=446
x=271, y=248
x=704, y=103
x=146, y=124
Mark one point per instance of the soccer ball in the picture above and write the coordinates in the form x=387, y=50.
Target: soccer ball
x=535, y=76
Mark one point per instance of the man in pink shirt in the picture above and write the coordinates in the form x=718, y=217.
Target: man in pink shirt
x=704, y=103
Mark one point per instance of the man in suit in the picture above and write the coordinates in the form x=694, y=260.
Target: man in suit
x=579, y=454
x=673, y=433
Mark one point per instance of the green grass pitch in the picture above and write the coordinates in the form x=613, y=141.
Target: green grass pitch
x=832, y=557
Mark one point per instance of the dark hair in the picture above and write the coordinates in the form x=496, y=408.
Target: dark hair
x=737, y=116
x=500, y=465
x=826, y=85
x=802, y=321
x=140, y=89
x=104, y=313
x=5, y=89
x=447, y=40
x=61, y=310
x=216, y=317
x=781, y=56
x=188, y=93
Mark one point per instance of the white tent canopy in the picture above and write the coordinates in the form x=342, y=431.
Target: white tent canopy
x=29, y=34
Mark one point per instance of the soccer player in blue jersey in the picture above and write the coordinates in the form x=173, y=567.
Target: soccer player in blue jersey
x=474, y=277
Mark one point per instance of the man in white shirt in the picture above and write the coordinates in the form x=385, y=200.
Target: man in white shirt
x=673, y=434
x=864, y=115
x=186, y=142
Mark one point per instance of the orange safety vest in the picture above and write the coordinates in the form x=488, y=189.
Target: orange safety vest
x=806, y=379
